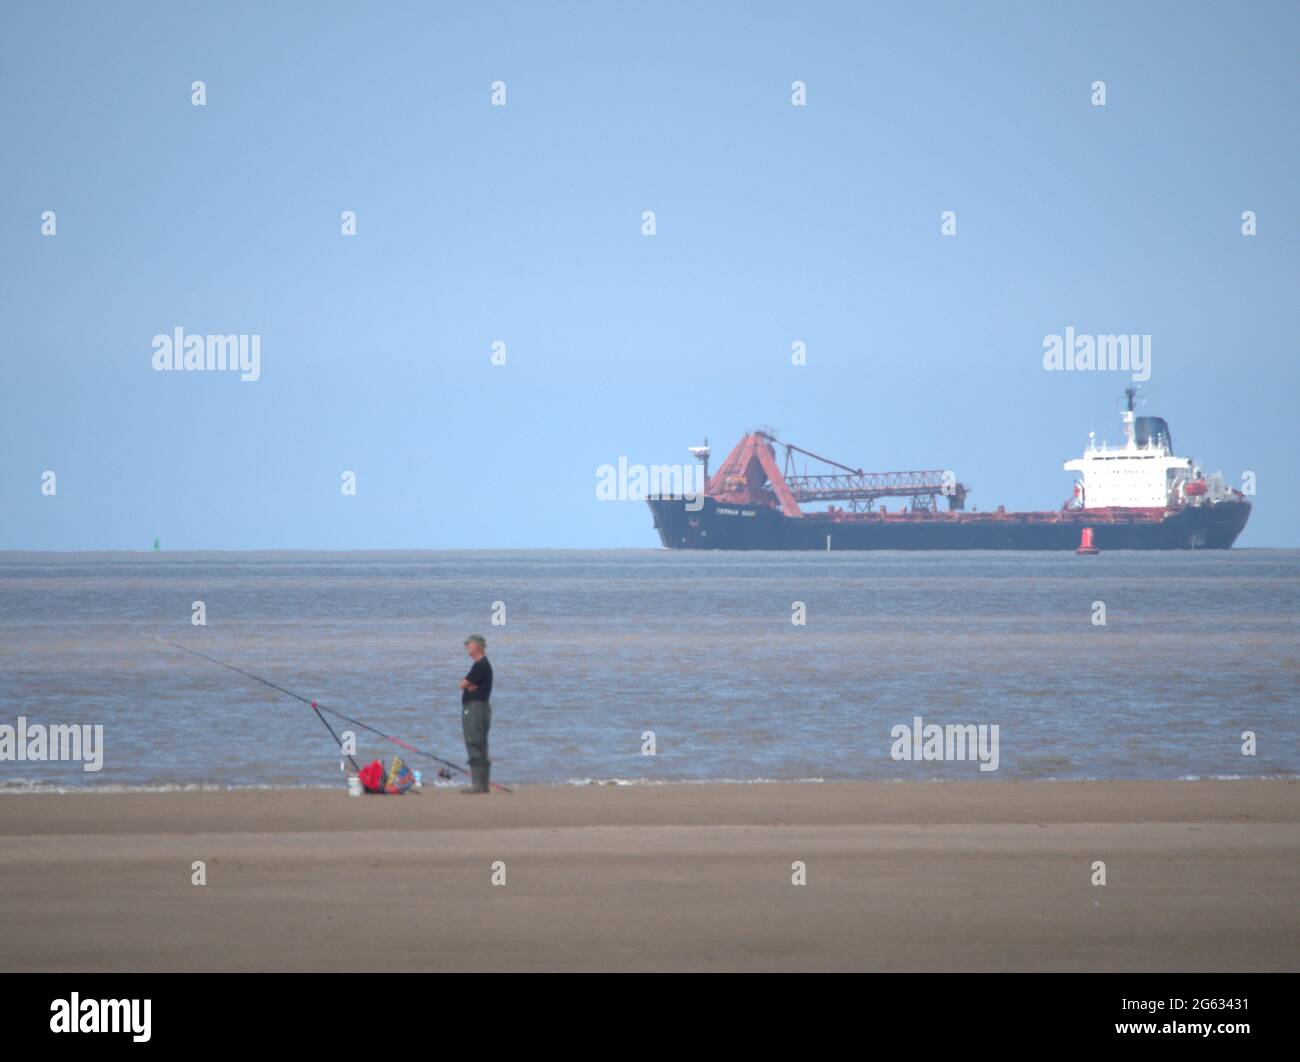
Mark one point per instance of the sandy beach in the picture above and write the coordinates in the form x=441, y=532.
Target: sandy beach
x=915, y=876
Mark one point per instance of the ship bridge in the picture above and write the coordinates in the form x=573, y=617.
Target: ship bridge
x=1143, y=472
x=1129, y=477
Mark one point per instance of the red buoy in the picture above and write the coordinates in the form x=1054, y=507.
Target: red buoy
x=1086, y=548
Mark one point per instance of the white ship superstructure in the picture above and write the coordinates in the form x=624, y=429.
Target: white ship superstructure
x=1143, y=473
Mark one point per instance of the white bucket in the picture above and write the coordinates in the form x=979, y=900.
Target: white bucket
x=354, y=785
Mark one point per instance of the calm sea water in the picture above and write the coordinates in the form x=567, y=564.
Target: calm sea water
x=600, y=647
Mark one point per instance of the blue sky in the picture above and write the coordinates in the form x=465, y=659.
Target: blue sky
x=522, y=224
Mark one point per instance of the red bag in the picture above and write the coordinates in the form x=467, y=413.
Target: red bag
x=372, y=777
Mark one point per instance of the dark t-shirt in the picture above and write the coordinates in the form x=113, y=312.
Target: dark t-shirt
x=480, y=675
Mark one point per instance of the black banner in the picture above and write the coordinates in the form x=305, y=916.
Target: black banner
x=241, y=1011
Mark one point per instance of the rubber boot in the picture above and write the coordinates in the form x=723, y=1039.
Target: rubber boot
x=478, y=779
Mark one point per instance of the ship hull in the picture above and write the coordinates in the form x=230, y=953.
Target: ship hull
x=714, y=525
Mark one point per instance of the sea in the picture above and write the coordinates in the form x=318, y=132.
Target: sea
x=643, y=667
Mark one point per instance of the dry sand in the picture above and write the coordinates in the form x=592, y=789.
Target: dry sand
x=913, y=876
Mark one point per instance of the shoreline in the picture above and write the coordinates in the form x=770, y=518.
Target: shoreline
x=955, y=875
x=171, y=788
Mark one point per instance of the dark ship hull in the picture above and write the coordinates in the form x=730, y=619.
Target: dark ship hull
x=720, y=525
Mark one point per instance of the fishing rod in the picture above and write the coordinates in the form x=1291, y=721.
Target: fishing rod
x=265, y=682
x=318, y=708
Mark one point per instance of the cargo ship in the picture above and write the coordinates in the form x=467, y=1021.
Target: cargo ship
x=1137, y=495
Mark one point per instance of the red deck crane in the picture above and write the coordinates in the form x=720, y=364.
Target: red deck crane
x=750, y=476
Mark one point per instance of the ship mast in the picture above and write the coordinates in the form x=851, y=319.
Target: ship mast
x=1130, y=394
x=701, y=454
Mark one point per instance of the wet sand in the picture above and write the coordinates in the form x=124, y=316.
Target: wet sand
x=912, y=876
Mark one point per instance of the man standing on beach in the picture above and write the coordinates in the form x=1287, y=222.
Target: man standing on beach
x=476, y=712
